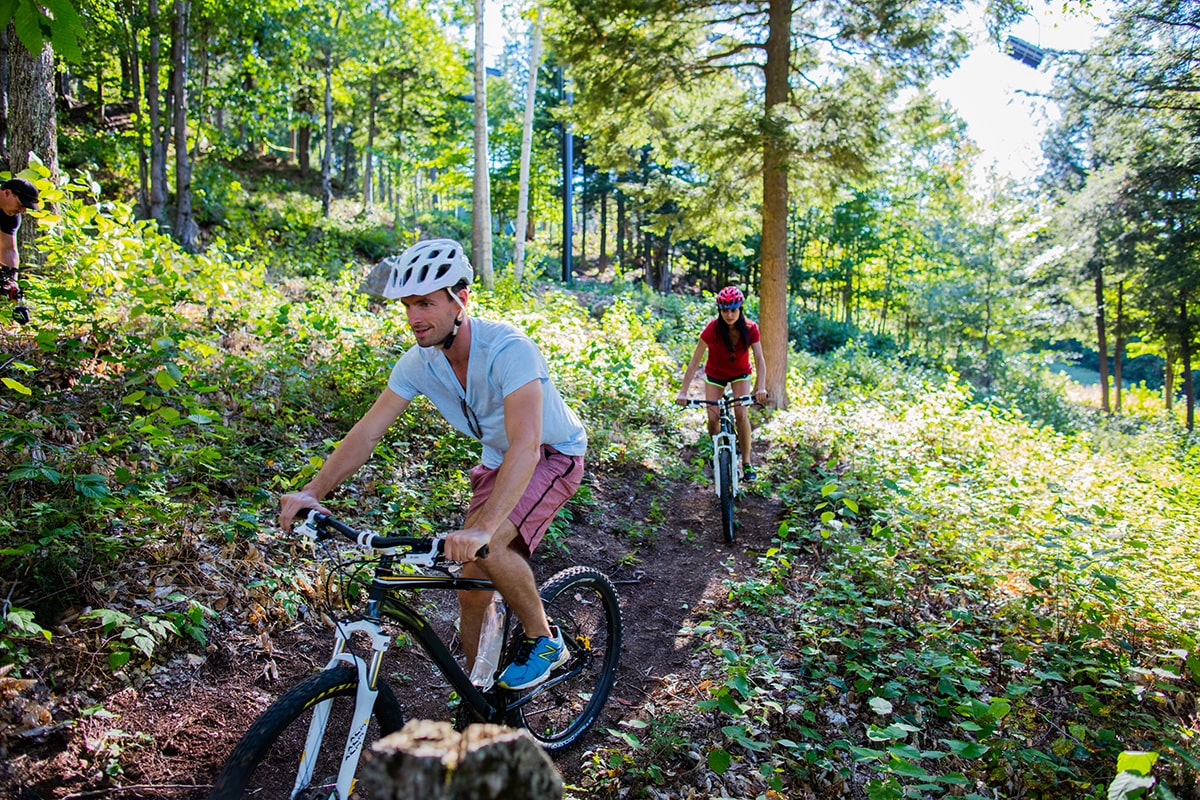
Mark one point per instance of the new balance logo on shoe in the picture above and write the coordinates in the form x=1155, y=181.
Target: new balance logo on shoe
x=535, y=660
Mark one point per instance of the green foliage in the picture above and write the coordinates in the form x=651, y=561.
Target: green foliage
x=214, y=381
x=1005, y=603
x=1004, y=600
x=271, y=219
x=1025, y=383
x=36, y=23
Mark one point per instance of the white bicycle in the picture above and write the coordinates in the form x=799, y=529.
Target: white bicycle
x=308, y=743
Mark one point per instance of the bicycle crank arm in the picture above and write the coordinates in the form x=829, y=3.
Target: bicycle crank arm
x=542, y=688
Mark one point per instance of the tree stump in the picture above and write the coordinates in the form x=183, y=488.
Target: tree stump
x=432, y=761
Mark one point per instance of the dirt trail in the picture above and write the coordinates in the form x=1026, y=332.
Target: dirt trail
x=168, y=738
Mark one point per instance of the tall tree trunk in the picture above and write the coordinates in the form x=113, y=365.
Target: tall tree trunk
x=1169, y=379
x=603, y=231
x=327, y=155
x=481, y=206
x=1119, y=346
x=348, y=161
x=186, y=230
x=303, y=106
x=201, y=89
x=773, y=284
x=5, y=54
x=522, y=227
x=622, y=229
x=32, y=130
x=1185, y=355
x=135, y=89
x=368, y=166
x=1101, y=334
x=664, y=262
x=158, y=189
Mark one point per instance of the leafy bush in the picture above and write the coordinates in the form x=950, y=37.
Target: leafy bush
x=1026, y=383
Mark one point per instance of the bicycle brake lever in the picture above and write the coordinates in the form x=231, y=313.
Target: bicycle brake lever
x=308, y=528
x=430, y=558
x=433, y=557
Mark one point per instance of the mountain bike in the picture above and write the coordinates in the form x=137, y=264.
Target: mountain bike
x=725, y=472
x=308, y=743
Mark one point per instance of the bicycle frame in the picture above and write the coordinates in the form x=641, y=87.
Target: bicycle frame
x=724, y=440
x=381, y=603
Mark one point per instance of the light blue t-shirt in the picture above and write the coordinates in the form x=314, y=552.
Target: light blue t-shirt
x=502, y=360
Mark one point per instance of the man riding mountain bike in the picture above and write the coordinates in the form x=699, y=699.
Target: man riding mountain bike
x=491, y=382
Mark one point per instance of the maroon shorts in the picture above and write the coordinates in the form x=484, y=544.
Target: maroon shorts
x=554, y=481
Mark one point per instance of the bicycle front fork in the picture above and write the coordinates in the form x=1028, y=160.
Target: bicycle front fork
x=725, y=440
x=364, y=702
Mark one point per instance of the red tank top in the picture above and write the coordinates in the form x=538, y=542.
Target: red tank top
x=722, y=364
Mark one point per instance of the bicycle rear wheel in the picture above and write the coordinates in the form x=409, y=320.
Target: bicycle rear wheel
x=265, y=762
x=583, y=603
x=725, y=465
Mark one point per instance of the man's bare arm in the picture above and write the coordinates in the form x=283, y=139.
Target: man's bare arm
x=349, y=456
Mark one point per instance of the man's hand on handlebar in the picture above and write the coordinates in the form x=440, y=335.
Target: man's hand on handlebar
x=681, y=398
x=760, y=396
x=466, y=545
x=292, y=504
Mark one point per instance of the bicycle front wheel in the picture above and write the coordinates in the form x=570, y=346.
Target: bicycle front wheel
x=725, y=465
x=583, y=603
x=266, y=761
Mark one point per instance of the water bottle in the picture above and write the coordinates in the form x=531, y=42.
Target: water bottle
x=491, y=641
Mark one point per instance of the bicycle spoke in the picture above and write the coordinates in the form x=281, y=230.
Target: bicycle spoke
x=583, y=604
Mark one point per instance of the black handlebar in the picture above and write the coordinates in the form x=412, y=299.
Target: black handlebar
x=326, y=525
x=743, y=400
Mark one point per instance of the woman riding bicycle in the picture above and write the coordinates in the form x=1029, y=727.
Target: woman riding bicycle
x=729, y=340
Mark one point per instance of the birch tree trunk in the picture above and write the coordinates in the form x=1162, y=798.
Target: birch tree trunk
x=1101, y=335
x=535, y=60
x=368, y=166
x=327, y=156
x=186, y=230
x=481, y=206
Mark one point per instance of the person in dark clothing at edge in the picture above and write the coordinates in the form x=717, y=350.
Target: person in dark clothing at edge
x=17, y=196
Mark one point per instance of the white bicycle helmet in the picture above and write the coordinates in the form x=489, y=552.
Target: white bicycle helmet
x=426, y=267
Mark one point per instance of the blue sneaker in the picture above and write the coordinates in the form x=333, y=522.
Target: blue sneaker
x=535, y=659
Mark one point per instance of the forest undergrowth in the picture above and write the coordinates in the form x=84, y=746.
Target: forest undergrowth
x=962, y=600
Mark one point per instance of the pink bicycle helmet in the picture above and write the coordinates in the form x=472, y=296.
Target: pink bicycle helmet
x=730, y=297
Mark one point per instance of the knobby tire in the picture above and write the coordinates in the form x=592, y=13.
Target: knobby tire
x=265, y=762
x=725, y=465
x=583, y=603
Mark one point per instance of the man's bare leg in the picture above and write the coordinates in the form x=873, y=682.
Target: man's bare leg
x=511, y=573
